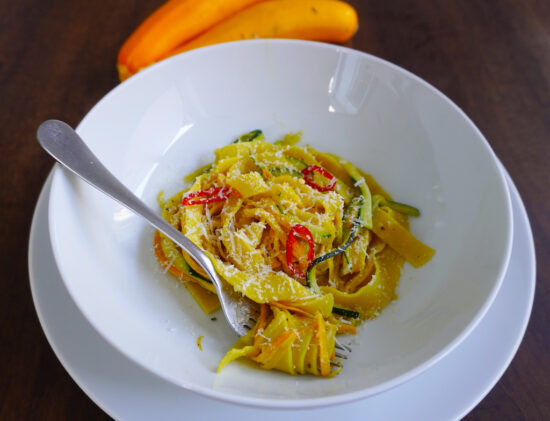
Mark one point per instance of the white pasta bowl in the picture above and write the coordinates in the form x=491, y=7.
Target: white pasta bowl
x=166, y=121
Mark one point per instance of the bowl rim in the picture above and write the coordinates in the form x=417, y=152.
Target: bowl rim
x=341, y=398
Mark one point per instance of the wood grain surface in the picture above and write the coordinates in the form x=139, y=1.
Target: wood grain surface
x=57, y=59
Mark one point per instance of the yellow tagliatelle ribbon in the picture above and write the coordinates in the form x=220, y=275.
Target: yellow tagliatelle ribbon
x=245, y=205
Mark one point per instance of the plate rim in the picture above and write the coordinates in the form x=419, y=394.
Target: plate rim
x=41, y=206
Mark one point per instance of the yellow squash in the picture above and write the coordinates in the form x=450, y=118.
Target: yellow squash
x=319, y=20
x=171, y=25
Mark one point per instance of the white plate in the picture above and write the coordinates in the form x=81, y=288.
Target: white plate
x=447, y=391
x=164, y=122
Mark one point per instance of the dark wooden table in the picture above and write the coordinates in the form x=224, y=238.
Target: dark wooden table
x=492, y=57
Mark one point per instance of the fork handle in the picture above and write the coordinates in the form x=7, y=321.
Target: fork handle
x=68, y=148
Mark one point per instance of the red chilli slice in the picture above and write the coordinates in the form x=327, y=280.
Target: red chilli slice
x=302, y=232
x=308, y=178
x=211, y=195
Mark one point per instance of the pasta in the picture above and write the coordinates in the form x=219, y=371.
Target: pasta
x=311, y=238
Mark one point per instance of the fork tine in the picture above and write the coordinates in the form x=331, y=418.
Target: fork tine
x=339, y=345
x=340, y=355
x=251, y=323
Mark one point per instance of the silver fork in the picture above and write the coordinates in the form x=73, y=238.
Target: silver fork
x=68, y=148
